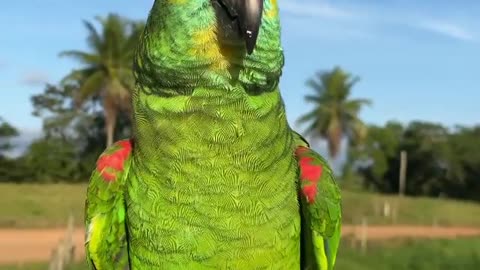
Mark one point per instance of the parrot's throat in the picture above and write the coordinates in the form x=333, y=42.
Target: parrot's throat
x=190, y=128
x=227, y=70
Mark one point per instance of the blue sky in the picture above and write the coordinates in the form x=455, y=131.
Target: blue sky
x=415, y=60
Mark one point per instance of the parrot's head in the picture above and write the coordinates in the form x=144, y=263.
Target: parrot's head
x=200, y=40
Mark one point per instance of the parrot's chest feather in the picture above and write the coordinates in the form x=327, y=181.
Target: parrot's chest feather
x=219, y=190
x=205, y=212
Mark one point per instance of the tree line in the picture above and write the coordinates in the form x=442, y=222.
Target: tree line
x=90, y=108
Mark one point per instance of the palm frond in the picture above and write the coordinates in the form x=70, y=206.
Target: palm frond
x=318, y=87
x=94, y=39
x=308, y=117
x=131, y=42
x=78, y=75
x=83, y=57
x=312, y=99
x=352, y=107
x=91, y=85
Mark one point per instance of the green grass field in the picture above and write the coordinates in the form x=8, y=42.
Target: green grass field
x=40, y=206
x=462, y=254
x=409, y=210
x=34, y=206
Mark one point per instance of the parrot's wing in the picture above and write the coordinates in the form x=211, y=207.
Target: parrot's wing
x=106, y=232
x=320, y=203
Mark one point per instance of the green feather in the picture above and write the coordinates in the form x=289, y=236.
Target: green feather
x=322, y=218
x=106, y=236
x=213, y=181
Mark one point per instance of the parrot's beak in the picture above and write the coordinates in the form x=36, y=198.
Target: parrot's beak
x=248, y=14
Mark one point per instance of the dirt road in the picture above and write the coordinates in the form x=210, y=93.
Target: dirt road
x=35, y=245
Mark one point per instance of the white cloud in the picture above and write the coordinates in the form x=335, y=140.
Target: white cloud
x=360, y=21
x=34, y=78
x=330, y=30
x=447, y=29
x=317, y=8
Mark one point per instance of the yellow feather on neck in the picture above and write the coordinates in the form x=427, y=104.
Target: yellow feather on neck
x=208, y=47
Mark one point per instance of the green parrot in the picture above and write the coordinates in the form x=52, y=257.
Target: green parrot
x=213, y=176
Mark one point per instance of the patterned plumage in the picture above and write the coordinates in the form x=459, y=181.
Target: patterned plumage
x=213, y=178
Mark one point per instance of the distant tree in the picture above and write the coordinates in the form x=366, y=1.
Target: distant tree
x=6, y=132
x=377, y=158
x=107, y=68
x=52, y=160
x=55, y=105
x=441, y=162
x=11, y=169
x=335, y=114
x=464, y=171
x=14, y=170
x=77, y=133
x=429, y=158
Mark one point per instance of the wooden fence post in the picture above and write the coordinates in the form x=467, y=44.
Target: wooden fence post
x=364, y=235
x=403, y=173
x=64, y=253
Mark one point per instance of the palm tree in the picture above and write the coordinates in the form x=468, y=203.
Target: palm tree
x=107, y=67
x=334, y=115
